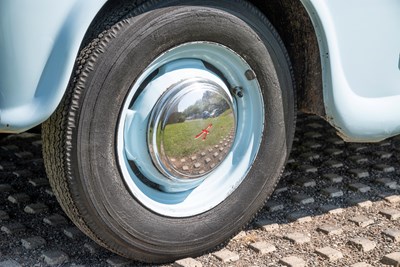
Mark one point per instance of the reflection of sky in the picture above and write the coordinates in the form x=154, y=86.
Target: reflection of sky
x=190, y=99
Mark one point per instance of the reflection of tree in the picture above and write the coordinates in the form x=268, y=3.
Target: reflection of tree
x=210, y=103
x=176, y=117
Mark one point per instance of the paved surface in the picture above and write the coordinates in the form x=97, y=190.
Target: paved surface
x=338, y=204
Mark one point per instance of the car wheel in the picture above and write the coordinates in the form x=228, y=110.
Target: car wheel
x=133, y=154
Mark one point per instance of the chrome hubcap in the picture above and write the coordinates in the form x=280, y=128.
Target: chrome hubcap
x=191, y=128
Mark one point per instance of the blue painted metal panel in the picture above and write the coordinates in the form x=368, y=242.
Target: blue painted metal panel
x=39, y=41
x=360, y=44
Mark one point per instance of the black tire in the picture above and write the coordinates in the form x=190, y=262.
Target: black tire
x=79, y=139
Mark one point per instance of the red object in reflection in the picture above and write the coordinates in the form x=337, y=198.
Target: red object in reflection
x=204, y=133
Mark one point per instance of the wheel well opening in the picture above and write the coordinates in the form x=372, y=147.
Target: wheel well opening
x=294, y=26
x=290, y=19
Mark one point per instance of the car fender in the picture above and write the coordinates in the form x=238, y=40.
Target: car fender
x=39, y=42
x=359, y=48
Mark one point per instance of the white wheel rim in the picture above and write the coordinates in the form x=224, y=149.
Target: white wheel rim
x=184, y=199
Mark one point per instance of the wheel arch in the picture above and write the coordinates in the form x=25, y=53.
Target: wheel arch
x=291, y=19
x=41, y=96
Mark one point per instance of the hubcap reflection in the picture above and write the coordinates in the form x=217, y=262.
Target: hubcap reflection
x=191, y=129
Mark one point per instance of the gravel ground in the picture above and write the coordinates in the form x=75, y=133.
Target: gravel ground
x=333, y=207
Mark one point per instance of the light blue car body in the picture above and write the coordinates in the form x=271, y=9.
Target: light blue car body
x=359, y=43
x=39, y=42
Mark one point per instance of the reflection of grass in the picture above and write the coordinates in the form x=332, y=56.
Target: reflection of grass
x=179, y=138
